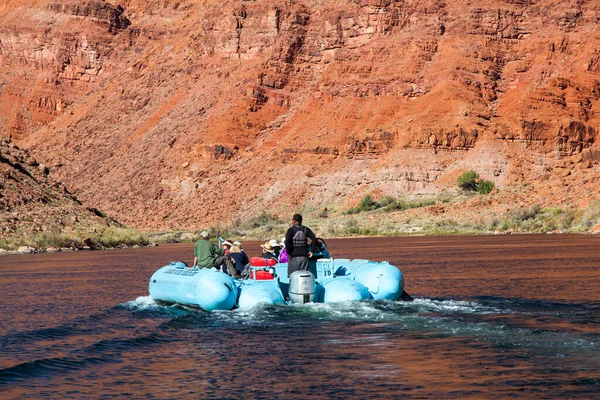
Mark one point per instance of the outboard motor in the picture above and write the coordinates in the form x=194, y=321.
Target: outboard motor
x=302, y=287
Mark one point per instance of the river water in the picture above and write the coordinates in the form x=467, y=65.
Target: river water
x=494, y=317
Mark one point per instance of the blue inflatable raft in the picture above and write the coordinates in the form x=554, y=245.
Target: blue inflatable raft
x=329, y=280
x=206, y=288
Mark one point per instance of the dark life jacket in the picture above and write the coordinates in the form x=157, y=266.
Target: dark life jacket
x=299, y=239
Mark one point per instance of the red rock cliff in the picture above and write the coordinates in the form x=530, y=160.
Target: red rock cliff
x=182, y=113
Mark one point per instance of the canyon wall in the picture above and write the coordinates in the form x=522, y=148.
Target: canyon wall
x=180, y=114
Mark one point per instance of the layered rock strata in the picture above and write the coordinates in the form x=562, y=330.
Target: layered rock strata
x=186, y=113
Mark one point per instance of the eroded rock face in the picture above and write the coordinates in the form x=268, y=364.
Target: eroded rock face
x=100, y=11
x=51, y=54
x=32, y=202
x=164, y=102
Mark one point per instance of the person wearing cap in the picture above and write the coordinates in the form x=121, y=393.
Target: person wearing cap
x=276, y=247
x=209, y=255
x=296, y=244
x=226, y=246
x=239, y=256
x=283, y=256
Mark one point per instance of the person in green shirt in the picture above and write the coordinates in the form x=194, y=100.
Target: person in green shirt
x=209, y=255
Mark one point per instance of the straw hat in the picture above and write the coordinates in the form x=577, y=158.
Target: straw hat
x=267, y=247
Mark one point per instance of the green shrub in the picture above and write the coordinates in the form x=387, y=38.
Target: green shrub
x=55, y=239
x=590, y=216
x=261, y=220
x=468, y=180
x=385, y=201
x=366, y=203
x=525, y=213
x=114, y=236
x=401, y=204
x=484, y=187
x=388, y=204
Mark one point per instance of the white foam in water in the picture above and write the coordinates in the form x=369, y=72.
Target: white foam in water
x=349, y=310
x=142, y=302
x=380, y=311
x=466, y=307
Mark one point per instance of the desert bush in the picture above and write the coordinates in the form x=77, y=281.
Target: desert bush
x=385, y=201
x=558, y=219
x=401, y=204
x=235, y=223
x=262, y=219
x=332, y=229
x=55, y=239
x=484, y=187
x=468, y=180
x=351, y=227
x=590, y=216
x=51, y=238
x=388, y=204
x=324, y=213
x=367, y=203
x=525, y=213
x=535, y=219
x=115, y=236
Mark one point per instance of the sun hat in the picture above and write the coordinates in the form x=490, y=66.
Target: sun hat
x=273, y=243
x=267, y=247
x=237, y=243
x=204, y=234
x=282, y=243
x=226, y=243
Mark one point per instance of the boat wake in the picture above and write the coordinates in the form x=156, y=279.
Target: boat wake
x=137, y=325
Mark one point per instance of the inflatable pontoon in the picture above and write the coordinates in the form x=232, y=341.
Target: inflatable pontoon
x=328, y=280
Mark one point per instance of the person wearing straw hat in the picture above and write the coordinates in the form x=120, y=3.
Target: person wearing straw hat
x=209, y=255
x=268, y=251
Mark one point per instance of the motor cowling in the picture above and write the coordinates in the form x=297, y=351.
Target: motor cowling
x=302, y=287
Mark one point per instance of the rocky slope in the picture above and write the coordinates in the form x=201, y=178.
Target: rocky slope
x=31, y=202
x=183, y=113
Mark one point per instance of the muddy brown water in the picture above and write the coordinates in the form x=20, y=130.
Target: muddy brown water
x=494, y=317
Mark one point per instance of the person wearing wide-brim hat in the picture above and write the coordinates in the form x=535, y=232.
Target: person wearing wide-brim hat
x=209, y=255
x=268, y=251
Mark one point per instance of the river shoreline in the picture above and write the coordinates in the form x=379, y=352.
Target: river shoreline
x=75, y=248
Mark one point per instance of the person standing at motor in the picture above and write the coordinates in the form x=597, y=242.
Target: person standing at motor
x=296, y=245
